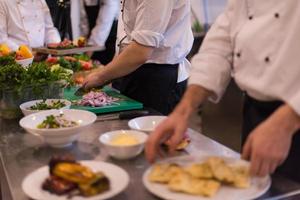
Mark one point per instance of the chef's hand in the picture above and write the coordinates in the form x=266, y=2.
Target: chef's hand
x=93, y=80
x=268, y=145
x=172, y=130
x=174, y=127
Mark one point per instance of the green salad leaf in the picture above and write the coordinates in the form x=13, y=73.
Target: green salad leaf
x=7, y=60
x=11, y=76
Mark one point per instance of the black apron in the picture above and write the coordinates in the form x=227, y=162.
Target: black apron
x=256, y=112
x=108, y=54
x=61, y=16
x=155, y=85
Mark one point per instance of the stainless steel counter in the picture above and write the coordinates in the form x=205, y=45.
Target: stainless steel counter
x=22, y=153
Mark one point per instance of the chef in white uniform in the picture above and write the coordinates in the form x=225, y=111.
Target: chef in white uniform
x=258, y=44
x=153, y=65
x=26, y=22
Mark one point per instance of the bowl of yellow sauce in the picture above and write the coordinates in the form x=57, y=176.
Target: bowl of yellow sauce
x=124, y=144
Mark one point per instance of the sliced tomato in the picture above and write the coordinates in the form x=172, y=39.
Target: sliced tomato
x=52, y=60
x=86, y=65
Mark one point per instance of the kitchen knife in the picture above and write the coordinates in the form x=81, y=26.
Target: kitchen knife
x=123, y=115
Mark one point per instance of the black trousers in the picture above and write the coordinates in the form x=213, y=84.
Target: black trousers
x=61, y=17
x=108, y=54
x=155, y=85
x=256, y=112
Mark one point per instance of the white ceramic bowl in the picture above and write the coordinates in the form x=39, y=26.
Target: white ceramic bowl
x=123, y=152
x=146, y=124
x=25, y=62
x=59, y=137
x=25, y=107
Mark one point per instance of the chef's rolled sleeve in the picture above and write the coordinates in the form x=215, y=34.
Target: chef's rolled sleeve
x=211, y=67
x=147, y=38
x=150, y=27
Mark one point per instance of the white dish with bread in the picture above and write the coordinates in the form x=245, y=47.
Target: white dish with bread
x=202, y=178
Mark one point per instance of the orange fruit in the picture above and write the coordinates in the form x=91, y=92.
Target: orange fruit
x=25, y=52
x=4, y=50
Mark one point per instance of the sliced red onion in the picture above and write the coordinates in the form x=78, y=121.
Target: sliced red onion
x=97, y=99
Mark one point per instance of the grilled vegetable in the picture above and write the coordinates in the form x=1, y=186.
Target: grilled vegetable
x=73, y=172
x=98, y=184
x=70, y=177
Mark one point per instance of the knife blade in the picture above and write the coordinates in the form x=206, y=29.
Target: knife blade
x=123, y=115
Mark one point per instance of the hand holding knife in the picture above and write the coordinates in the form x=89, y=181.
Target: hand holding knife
x=82, y=90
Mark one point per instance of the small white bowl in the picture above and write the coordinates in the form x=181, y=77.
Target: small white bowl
x=25, y=107
x=123, y=152
x=146, y=124
x=25, y=62
x=58, y=137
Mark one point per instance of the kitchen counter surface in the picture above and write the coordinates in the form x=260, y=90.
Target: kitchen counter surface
x=22, y=153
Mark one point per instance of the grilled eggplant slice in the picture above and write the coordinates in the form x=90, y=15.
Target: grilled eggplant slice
x=98, y=184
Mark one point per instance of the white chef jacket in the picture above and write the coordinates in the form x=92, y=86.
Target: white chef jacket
x=108, y=12
x=163, y=24
x=26, y=22
x=258, y=43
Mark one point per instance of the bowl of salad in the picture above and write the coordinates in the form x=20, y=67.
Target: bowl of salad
x=58, y=128
x=35, y=106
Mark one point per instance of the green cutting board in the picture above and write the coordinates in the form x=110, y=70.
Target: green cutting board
x=123, y=104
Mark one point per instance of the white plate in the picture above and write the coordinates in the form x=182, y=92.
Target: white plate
x=146, y=124
x=258, y=185
x=119, y=179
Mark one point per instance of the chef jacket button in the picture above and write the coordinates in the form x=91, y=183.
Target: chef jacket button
x=250, y=17
x=122, y=10
x=238, y=54
x=276, y=15
x=267, y=59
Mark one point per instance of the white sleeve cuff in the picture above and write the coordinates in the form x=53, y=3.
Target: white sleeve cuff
x=211, y=72
x=147, y=38
x=294, y=102
x=52, y=36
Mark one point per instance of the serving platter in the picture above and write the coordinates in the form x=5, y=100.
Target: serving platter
x=119, y=180
x=61, y=52
x=259, y=185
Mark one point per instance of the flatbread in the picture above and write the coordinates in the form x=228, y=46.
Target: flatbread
x=162, y=173
x=201, y=170
x=184, y=182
